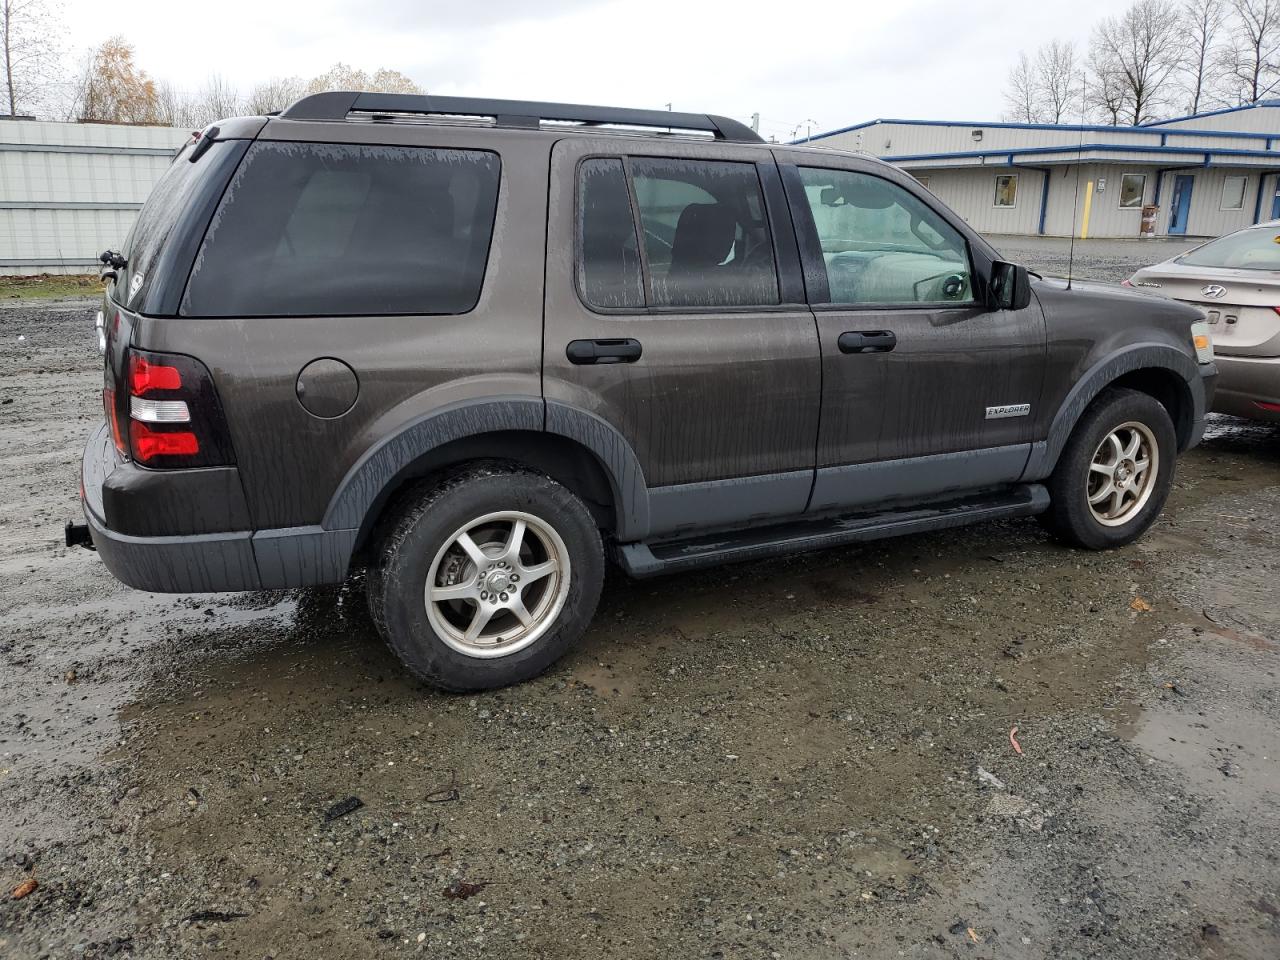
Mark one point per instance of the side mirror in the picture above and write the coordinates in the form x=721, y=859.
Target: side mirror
x=1010, y=286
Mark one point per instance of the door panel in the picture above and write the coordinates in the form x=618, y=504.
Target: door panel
x=1181, y=206
x=715, y=393
x=916, y=387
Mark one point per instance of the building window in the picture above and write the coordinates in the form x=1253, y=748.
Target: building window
x=1233, y=193
x=1132, y=187
x=923, y=181
x=1007, y=190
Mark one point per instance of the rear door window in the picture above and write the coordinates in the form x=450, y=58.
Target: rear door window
x=307, y=229
x=608, y=251
x=705, y=234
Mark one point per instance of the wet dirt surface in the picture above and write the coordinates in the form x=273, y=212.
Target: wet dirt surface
x=800, y=758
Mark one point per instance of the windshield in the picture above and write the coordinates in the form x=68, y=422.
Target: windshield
x=1255, y=249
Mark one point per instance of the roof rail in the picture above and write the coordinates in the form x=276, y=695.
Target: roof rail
x=512, y=113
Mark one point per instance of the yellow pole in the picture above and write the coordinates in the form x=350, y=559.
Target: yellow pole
x=1088, y=205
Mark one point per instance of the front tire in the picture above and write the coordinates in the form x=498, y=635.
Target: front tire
x=1114, y=474
x=486, y=577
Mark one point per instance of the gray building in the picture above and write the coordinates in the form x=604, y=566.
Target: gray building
x=68, y=191
x=1205, y=175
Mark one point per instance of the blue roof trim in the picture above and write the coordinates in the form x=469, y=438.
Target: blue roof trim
x=1065, y=127
x=1205, y=152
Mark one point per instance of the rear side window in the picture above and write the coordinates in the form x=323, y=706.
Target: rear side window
x=169, y=200
x=609, y=251
x=705, y=233
x=331, y=229
x=703, y=238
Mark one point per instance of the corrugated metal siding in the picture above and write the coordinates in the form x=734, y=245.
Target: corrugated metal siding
x=70, y=190
x=972, y=193
x=1259, y=119
x=967, y=184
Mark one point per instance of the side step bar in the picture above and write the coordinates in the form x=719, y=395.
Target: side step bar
x=673, y=556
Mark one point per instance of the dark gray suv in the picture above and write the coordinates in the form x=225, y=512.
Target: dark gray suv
x=477, y=346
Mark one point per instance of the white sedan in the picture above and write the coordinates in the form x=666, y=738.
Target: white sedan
x=1235, y=280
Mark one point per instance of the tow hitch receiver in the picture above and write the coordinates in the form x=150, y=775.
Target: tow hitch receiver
x=78, y=535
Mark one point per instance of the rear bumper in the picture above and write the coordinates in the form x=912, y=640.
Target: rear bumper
x=1243, y=383
x=200, y=562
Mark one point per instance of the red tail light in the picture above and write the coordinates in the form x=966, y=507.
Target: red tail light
x=148, y=444
x=1266, y=405
x=144, y=376
x=174, y=417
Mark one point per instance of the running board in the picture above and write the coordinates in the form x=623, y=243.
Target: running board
x=673, y=556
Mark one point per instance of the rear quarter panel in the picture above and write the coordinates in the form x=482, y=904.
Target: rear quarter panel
x=290, y=461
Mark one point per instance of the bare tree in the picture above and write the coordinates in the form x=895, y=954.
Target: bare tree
x=1020, y=96
x=1042, y=90
x=30, y=52
x=1202, y=22
x=1057, y=79
x=1250, y=60
x=1105, y=87
x=343, y=77
x=217, y=100
x=114, y=89
x=275, y=95
x=1142, y=47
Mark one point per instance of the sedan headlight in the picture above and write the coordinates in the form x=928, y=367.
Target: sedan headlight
x=1203, y=341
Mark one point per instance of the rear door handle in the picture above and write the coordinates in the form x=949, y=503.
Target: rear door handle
x=867, y=341
x=603, y=351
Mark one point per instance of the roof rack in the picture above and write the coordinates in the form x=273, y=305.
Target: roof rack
x=512, y=113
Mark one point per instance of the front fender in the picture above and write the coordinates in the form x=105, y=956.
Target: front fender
x=1137, y=356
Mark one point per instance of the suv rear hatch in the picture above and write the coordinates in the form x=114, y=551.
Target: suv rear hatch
x=158, y=256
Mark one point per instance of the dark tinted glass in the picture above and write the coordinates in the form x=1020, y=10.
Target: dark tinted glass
x=705, y=233
x=326, y=229
x=609, y=255
x=165, y=204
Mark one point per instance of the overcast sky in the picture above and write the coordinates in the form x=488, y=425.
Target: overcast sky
x=834, y=63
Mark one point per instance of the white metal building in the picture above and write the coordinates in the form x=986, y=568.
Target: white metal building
x=1206, y=174
x=68, y=191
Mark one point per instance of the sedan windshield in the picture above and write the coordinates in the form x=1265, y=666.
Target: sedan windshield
x=1256, y=249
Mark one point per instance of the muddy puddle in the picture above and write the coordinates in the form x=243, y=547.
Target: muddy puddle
x=812, y=757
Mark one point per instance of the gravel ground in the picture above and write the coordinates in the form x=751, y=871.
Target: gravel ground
x=804, y=758
x=1113, y=260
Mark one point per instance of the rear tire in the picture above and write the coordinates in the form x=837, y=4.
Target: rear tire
x=1115, y=472
x=486, y=576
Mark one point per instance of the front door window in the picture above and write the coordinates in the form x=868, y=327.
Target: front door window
x=883, y=245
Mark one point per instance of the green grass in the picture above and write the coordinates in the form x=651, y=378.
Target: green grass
x=50, y=287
